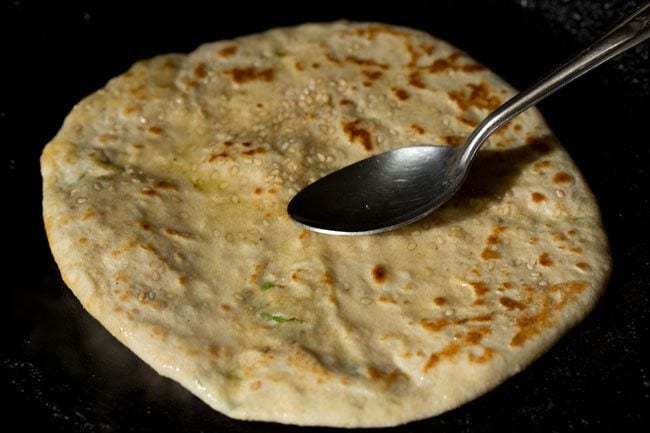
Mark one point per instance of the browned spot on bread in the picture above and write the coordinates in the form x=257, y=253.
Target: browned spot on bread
x=475, y=335
x=449, y=63
x=257, y=191
x=213, y=157
x=545, y=260
x=225, y=307
x=256, y=151
x=444, y=63
x=228, y=51
x=480, y=288
x=583, y=266
x=537, y=197
x=159, y=332
x=379, y=274
x=453, y=140
x=130, y=109
x=214, y=350
x=386, y=378
x=200, y=70
x=148, y=191
x=169, y=63
x=562, y=177
x=105, y=138
x=435, y=325
x=401, y=94
x=244, y=75
x=492, y=240
x=172, y=232
x=138, y=92
x=531, y=325
x=415, y=80
x=156, y=130
x=357, y=134
x=365, y=62
x=163, y=184
x=83, y=240
x=144, y=225
x=414, y=53
x=482, y=318
x=332, y=58
x=440, y=301
x=327, y=279
x=489, y=254
x=345, y=102
x=371, y=32
x=572, y=232
x=559, y=237
x=88, y=214
x=315, y=65
x=386, y=299
x=182, y=280
x=541, y=165
x=372, y=75
x=478, y=95
x=448, y=351
x=472, y=67
x=576, y=250
x=511, y=304
x=299, y=66
x=417, y=128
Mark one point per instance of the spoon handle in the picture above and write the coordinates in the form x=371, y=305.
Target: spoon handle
x=631, y=31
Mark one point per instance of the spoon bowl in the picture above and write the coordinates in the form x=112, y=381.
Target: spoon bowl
x=401, y=186
x=377, y=194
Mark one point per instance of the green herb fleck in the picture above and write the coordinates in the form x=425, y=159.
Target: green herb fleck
x=278, y=318
x=267, y=285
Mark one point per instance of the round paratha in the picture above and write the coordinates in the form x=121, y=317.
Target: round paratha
x=165, y=200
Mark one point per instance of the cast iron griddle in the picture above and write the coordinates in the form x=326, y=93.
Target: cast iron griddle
x=62, y=371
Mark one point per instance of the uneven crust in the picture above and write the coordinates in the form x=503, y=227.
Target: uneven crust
x=164, y=203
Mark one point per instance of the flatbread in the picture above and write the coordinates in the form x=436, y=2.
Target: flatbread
x=165, y=200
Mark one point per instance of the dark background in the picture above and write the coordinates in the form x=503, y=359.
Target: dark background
x=60, y=370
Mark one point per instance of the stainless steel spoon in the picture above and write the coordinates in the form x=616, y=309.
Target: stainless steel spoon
x=398, y=187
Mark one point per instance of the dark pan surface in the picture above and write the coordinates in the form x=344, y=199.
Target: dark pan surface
x=61, y=371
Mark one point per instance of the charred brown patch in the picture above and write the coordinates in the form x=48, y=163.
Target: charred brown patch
x=358, y=134
x=200, y=70
x=245, y=75
x=228, y=51
x=537, y=197
x=379, y=274
x=401, y=94
x=511, y=304
x=477, y=95
x=545, y=260
x=562, y=177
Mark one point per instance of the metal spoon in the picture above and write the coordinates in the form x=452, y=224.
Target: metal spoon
x=401, y=186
